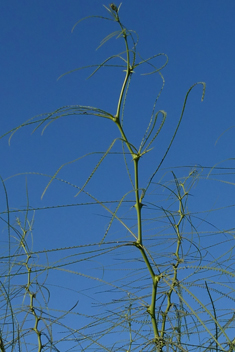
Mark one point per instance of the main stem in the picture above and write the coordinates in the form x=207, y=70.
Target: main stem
x=138, y=205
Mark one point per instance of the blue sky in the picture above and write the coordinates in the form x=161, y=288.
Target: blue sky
x=38, y=47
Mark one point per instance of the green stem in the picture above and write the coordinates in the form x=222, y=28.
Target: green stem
x=152, y=307
x=124, y=137
x=27, y=287
x=175, y=265
x=128, y=71
x=138, y=205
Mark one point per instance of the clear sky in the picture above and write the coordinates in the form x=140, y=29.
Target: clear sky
x=37, y=47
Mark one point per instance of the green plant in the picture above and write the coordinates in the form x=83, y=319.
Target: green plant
x=165, y=291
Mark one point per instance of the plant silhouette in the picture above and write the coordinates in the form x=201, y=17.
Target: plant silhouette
x=160, y=286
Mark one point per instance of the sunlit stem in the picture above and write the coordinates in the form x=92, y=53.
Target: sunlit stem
x=152, y=307
x=28, y=285
x=128, y=71
x=124, y=137
x=138, y=205
x=175, y=265
x=139, y=244
x=155, y=280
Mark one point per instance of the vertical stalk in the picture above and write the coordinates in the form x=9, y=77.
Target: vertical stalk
x=176, y=264
x=138, y=205
x=139, y=245
x=31, y=294
x=128, y=71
